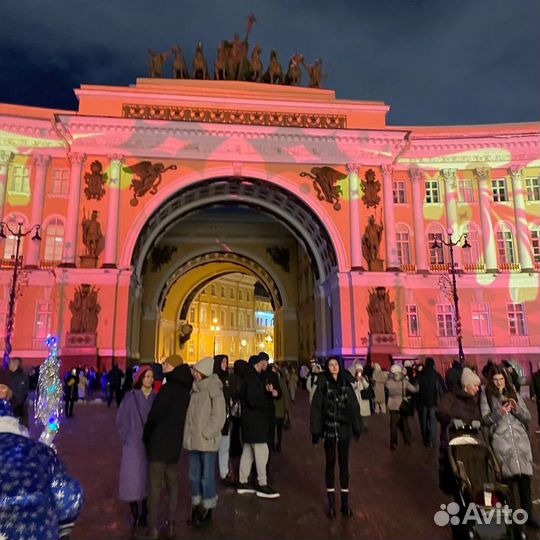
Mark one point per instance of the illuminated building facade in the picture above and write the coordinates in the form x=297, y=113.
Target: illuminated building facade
x=198, y=180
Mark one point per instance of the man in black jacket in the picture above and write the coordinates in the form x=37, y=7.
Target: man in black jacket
x=163, y=437
x=255, y=427
x=271, y=379
x=20, y=385
x=453, y=376
x=430, y=389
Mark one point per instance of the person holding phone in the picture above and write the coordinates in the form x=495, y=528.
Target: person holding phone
x=505, y=413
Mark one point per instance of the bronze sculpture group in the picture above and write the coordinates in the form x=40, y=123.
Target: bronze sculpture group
x=233, y=63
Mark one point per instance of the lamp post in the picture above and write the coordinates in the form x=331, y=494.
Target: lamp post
x=18, y=235
x=215, y=329
x=445, y=282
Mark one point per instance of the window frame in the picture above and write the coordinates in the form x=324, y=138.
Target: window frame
x=412, y=314
x=482, y=308
x=432, y=192
x=514, y=315
x=532, y=186
x=446, y=327
x=499, y=190
x=399, y=192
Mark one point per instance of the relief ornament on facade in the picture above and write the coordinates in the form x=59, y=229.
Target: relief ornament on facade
x=371, y=242
x=95, y=181
x=380, y=310
x=93, y=240
x=325, y=184
x=280, y=256
x=84, y=310
x=371, y=188
x=149, y=178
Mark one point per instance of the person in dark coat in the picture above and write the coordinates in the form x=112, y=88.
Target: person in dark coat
x=71, y=391
x=221, y=369
x=271, y=378
x=255, y=419
x=463, y=404
x=114, y=379
x=513, y=375
x=21, y=387
x=127, y=385
x=487, y=368
x=38, y=499
x=130, y=420
x=335, y=418
x=430, y=389
x=453, y=377
x=239, y=372
x=535, y=394
x=163, y=435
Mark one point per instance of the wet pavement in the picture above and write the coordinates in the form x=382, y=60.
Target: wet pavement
x=394, y=494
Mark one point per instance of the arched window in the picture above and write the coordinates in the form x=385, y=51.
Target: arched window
x=403, y=245
x=10, y=243
x=436, y=255
x=535, y=242
x=505, y=244
x=54, y=240
x=472, y=255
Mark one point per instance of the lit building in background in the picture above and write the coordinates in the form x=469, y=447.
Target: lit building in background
x=229, y=318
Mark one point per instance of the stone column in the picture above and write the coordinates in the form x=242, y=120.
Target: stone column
x=113, y=214
x=488, y=235
x=451, y=196
x=33, y=248
x=354, y=219
x=5, y=160
x=522, y=231
x=417, y=180
x=69, y=255
x=392, y=262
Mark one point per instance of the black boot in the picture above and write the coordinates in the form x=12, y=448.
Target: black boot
x=331, y=512
x=345, y=509
x=194, y=517
x=143, y=519
x=204, y=518
x=134, y=508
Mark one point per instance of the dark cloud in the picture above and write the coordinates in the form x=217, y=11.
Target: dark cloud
x=432, y=61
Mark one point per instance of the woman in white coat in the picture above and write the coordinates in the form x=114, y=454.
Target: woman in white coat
x=361, y=383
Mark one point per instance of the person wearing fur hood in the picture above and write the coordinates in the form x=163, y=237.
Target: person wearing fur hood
x=398, y=385
x=202, y=435
x=360, y=384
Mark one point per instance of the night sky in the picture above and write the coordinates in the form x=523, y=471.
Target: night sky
x=433, y=61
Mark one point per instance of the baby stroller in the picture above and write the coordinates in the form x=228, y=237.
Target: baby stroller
x=477, y=479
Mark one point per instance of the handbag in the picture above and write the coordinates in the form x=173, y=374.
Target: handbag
x=367, y=393
x=406, y=408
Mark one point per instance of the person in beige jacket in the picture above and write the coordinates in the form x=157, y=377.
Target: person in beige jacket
x=202, y=435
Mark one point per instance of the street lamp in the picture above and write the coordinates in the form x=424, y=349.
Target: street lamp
x=215, y=329
x=445, y=283
x=18, y=235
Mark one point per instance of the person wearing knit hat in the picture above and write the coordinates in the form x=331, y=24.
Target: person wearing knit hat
x=469, y=378
x=461, y=403
x=205, y=417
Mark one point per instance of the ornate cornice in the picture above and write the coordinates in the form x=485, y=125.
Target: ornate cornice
x=76, y=158
x=387, y=170
x=231, y=116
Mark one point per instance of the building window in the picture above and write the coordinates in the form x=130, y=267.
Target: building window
x=248, y=320
x=535, y=242
x=481, y=320
x=232, y=319
x=240, y=294
x=241, y=320
x=20, y=182
x=413, y=326
x=231, y=294
x=222, y=291
x=202, y=315
x=516, y=319
x=432, y=191
x=60, y=181
x=399, y=192
x=436, y=255
x=54, y=240
x=505, y=245
x=403, y=246
x=213, y=316
x=466, y=190
x=445, y=320
x=213, y=290
x=191, y=314
x=10, y=243
x=222, y=318
x=499, y=190
x=248, y=296
x=533, y=188
x=43, y=320
x=472, y=255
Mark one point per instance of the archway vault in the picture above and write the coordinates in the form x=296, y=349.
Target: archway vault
x=324, y=249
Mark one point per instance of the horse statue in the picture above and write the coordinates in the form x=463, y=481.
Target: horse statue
x=180, y=70
x=200, y=67
x=315, y=74
x=157, y=60
x=274, y=73
x=256, y=66
x=220, y=63
x=294, y=73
